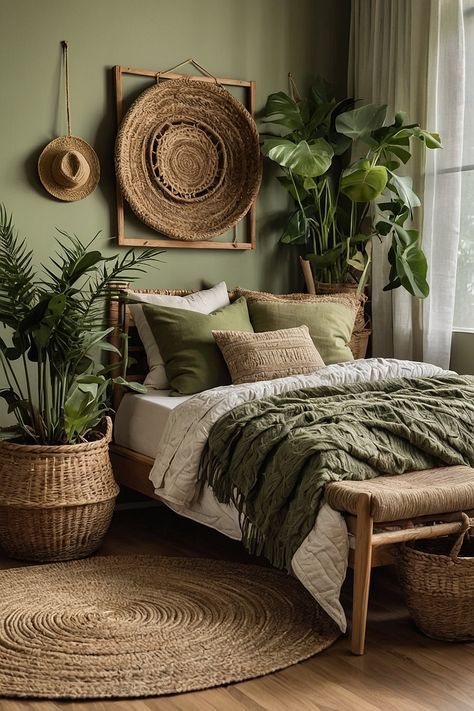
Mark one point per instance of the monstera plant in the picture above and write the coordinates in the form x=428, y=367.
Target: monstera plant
x=341, y=206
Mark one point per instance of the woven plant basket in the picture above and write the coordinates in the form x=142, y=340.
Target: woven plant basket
x=437, y=578
x=359, y=343
x=56, y=502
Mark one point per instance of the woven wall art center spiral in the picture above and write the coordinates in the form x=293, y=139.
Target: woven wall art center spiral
x=187, y=160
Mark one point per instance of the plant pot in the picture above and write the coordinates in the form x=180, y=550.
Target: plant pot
x=56, y=502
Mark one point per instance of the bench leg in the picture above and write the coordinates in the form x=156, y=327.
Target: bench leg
x=362, y=569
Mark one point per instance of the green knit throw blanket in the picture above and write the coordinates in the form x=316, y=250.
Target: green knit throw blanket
x=273, y=457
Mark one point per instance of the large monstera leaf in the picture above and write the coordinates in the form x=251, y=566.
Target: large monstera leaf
x=365, y=183
x=359, y=123
x=283, y=111
x=408, y=265
x=309, y=160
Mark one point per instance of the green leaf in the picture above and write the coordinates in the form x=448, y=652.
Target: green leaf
x=358, y=123
x=340, y=144
x=83, y=265
x=309, y=184
x=400, y=118
x=383, y=228
x=393, y=284
x=306, y=159
x=357, y=261
x=409, y=263
x=106, y=346
x=327, y=258
x=403, y=187
x=295, y=230
x=80, y=409
x=91, y=379
x=320, y=120
x=136, y=387
x=400, y=152
x=95, y=340
x=12, y=399
x=34, y=316
x=281, y=109
x=321, y=92
x=365, y=184
x=431, y=140
x=11, y=353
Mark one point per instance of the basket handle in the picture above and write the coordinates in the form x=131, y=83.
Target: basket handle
x=108, y=429
x=466, y=524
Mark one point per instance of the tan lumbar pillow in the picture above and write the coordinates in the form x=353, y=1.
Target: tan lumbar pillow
x=268, y=355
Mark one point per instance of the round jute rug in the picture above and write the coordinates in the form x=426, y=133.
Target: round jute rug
x=133, y=626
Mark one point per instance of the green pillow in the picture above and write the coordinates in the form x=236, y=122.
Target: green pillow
x=330, y=324
x=193, y=361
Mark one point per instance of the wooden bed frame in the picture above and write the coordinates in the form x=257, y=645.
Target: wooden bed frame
x=369, y=548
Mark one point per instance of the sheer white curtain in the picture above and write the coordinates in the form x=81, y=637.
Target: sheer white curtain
x=409, y=54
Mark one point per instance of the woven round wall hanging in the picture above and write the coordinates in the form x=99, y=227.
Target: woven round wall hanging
x=187, y=158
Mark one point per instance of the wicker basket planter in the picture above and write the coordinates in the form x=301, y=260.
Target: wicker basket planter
x=56, y=502
x=438, y=585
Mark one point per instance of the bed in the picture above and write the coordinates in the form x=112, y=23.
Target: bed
x=159, y=440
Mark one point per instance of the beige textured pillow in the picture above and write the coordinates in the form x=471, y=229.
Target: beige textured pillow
x=268, y=355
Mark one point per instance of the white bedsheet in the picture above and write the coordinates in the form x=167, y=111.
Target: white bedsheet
x=141, y=419
x=320, y=562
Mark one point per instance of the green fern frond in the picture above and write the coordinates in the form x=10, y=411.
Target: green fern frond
x=18, y=288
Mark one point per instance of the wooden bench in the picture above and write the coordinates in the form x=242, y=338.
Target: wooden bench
x=389, y=510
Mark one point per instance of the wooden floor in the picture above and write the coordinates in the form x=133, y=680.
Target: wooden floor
x=402, y=670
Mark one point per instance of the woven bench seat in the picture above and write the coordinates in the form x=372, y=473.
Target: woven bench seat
x=420, y=493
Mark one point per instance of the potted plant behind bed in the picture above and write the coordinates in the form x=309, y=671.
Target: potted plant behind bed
x=57, y=490
x=339, y=206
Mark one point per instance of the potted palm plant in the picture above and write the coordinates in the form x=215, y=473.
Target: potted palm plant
x=57, y=489
x=340, y=207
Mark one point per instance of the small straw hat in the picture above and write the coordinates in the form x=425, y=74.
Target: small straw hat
x=69, y=168
x=187, y=159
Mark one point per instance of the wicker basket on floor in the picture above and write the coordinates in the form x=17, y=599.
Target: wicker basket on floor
x=438, y=584
x=56, y=502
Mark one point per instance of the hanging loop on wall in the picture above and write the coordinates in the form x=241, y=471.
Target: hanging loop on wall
x=195, y=64
x=66, y=86
x=294, y=93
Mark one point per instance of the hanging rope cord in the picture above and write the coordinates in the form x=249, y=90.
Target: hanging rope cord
x=195, y=64
x=66, y=86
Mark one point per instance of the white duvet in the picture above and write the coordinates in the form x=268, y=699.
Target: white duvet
x=320, y=562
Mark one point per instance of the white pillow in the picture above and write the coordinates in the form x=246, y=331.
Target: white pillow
x=204, y=302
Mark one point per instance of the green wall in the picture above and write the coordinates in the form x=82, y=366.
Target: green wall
x=462, y=352
x=250, y=39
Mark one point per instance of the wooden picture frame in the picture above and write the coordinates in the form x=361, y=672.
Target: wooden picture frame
x=169, y=243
